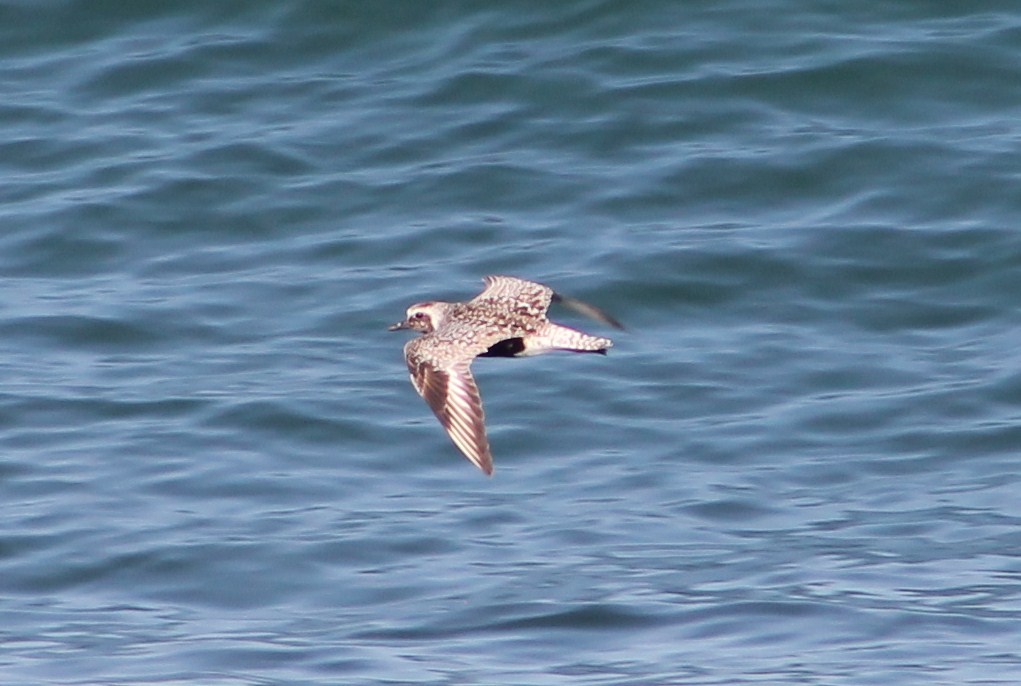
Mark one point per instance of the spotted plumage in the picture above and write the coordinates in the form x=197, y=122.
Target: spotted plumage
x=507, y=319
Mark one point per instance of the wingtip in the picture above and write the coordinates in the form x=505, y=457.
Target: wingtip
x=591, y=311
x=615, y=323
x=485, y=467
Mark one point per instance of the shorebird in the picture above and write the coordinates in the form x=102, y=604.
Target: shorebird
x=507, y=319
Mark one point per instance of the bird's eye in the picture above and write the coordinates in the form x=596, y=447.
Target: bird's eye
x=418, y=315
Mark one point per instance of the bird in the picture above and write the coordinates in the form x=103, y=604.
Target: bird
x=507, y=319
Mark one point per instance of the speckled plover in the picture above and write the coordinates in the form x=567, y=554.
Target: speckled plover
x=507, y=319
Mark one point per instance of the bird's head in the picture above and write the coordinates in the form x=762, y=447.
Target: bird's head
x=423, y=317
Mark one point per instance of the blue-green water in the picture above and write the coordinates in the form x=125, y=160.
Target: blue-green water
x=801, y=464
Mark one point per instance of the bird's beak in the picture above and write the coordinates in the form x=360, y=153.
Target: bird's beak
x=398, y=326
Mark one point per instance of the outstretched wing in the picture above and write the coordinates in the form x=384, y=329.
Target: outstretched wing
x=454, y=398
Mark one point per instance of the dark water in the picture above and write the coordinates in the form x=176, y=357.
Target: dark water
x=800, y=465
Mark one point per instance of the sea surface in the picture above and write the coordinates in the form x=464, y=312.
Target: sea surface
x=800, y=464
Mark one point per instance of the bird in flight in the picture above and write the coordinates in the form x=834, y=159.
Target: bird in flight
x=507, y=319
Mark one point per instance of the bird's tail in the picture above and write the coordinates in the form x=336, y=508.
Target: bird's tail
x=558, y=337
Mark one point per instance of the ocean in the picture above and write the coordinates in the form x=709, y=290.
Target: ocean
x=800, y=463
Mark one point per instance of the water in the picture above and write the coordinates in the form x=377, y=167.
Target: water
x=799, y=465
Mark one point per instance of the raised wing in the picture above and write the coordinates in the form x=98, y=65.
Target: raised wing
x=535, y=295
